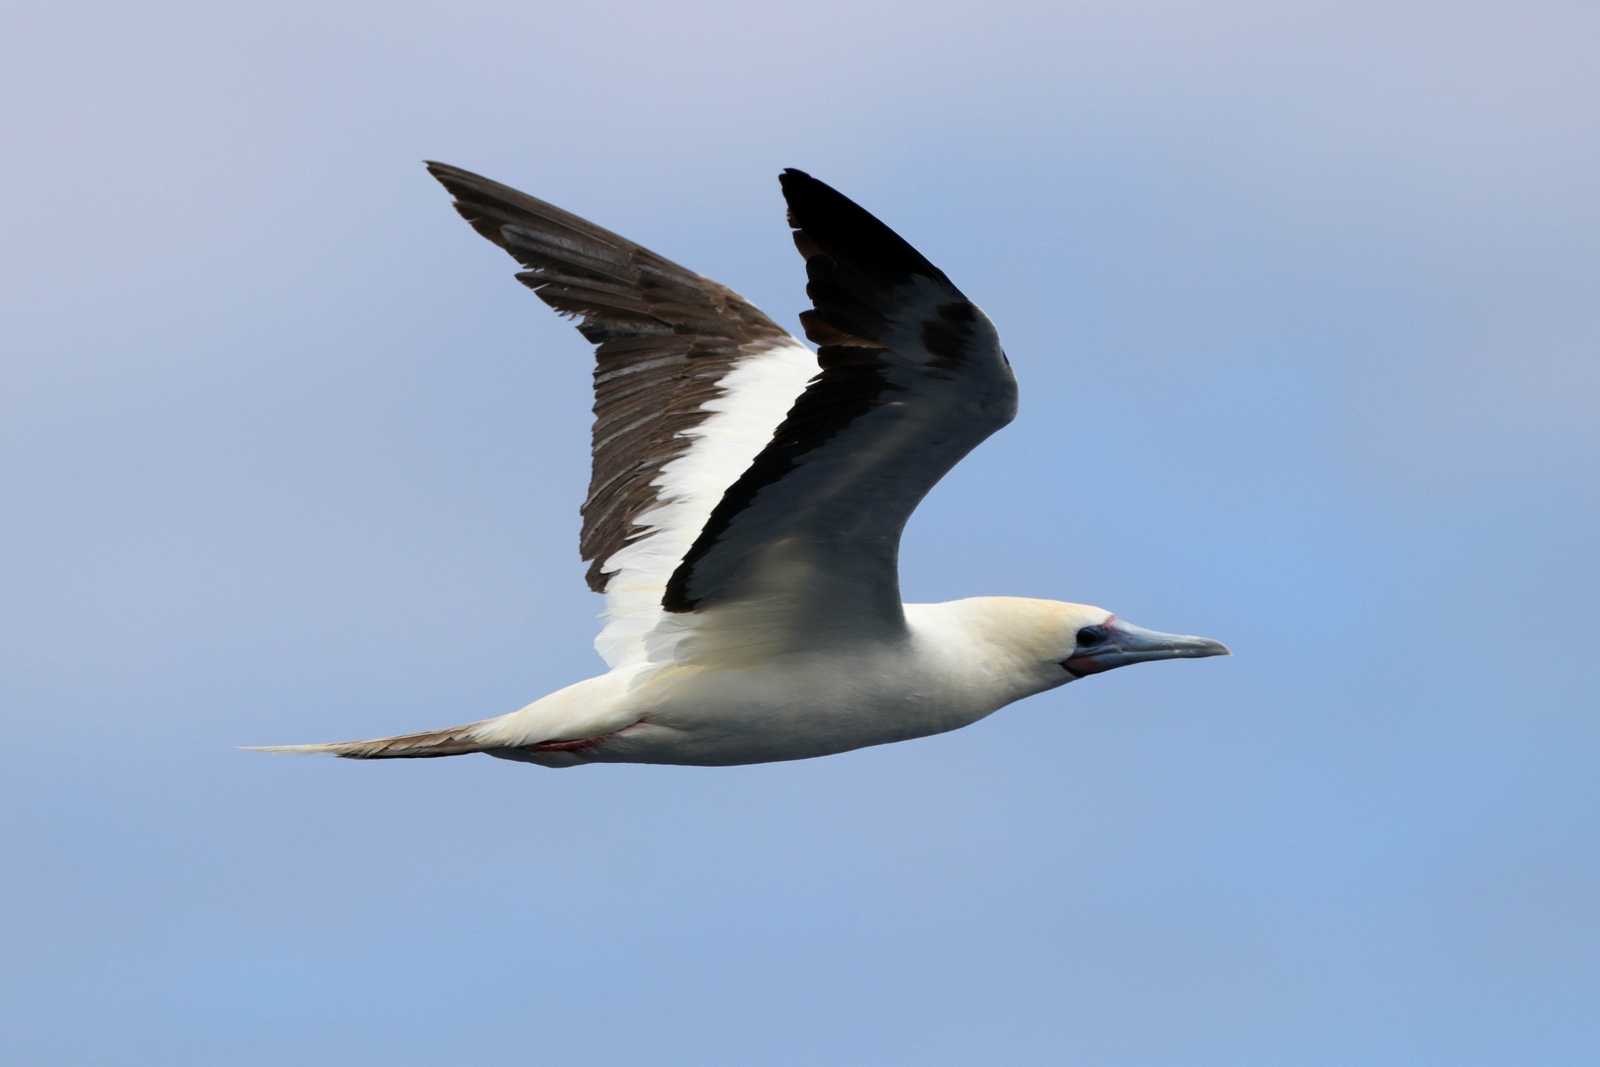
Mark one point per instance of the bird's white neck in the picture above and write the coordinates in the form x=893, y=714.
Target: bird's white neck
x=994, y=650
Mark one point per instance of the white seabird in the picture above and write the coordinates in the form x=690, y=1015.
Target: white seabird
x=746, y=501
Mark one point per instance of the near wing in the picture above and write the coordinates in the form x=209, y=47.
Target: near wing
x=913, y=378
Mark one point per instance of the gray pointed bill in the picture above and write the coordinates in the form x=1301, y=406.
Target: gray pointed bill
x=1126, y=644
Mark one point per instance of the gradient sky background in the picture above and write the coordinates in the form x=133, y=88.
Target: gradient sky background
x=1303, y=299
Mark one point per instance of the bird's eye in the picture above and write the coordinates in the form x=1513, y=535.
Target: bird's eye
x=1090, y=636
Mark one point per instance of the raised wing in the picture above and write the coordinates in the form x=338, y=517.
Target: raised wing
x=690, y=381
x=913, y=378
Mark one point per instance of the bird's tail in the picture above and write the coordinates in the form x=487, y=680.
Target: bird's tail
x=555, y=730
x=451, y=741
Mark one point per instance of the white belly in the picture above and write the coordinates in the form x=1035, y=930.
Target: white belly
x=792, y=708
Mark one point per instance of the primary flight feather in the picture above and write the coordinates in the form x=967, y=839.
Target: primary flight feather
x=746, y=500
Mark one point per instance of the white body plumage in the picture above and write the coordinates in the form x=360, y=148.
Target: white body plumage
x=954, y=664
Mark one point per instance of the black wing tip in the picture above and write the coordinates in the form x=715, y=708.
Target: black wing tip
x=827, y=221
x=442, y=171
x=456, y=180
x=812, y=197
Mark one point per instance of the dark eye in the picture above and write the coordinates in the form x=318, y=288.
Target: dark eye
x=1090, y=636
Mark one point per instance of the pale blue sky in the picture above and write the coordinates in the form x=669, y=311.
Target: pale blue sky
x=1304, y=303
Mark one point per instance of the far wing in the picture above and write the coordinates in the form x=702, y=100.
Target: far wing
x=690, y=381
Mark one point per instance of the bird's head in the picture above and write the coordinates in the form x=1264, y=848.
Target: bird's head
x=1046, y=643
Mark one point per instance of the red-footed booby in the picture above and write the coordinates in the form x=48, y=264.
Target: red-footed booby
x=747, y=497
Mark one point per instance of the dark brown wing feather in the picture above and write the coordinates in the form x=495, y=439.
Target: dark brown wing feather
x=664, y=337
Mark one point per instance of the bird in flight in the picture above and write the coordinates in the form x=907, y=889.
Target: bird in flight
x=746, y=500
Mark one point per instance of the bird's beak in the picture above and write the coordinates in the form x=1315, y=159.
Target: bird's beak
x=1127, y=643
